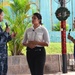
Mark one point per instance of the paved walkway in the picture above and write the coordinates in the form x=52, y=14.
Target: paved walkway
x=59, y=73
x=69, y=73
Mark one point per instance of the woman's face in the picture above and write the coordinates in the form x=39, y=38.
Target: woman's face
x=35, y=20
x=1, y=17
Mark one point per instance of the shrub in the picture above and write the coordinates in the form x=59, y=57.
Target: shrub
x=57, y=27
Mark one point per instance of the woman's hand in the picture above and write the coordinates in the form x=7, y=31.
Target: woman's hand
x=13, y=35
x=31, y=44
x=38, y=43
x=70, y=37
x=7, y=30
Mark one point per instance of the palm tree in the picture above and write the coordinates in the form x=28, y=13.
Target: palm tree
x=16, y=13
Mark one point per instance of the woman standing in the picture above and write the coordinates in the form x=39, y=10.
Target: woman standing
x=35, y=38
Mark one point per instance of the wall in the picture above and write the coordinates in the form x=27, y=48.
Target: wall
x=47, y=9
x=17, y=65
x=55, y=36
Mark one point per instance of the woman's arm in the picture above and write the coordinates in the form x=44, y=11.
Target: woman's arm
x=42, y=43
x=71, y=38
x=38, y=43
x=29, y=44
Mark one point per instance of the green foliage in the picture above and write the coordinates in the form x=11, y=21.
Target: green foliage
x=57, y=27
x=16, y=13
x=55, y=48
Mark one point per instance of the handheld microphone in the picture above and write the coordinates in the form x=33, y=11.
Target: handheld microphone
x=69, y=31
x=6, y=25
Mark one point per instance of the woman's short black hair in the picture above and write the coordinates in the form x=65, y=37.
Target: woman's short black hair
x=1, y=11
x=38, y=15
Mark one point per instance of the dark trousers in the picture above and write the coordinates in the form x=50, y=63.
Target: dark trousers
x=36, y=60
x=3, y=67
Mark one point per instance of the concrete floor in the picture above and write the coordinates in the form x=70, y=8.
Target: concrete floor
x=59, y=73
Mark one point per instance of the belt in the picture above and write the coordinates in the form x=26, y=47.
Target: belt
x=35, y=49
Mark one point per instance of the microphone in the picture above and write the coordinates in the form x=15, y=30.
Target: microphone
x=69, y=31
x=6, y=25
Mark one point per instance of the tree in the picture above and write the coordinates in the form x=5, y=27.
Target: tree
x=16, y=13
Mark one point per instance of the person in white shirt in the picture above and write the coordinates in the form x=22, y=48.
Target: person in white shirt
x=35, y=38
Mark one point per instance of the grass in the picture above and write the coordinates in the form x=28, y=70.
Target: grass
x=54, y=48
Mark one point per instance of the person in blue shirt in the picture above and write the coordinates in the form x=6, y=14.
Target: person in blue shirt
x=4, y=38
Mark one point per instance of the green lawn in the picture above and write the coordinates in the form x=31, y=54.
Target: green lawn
x=54, y=48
